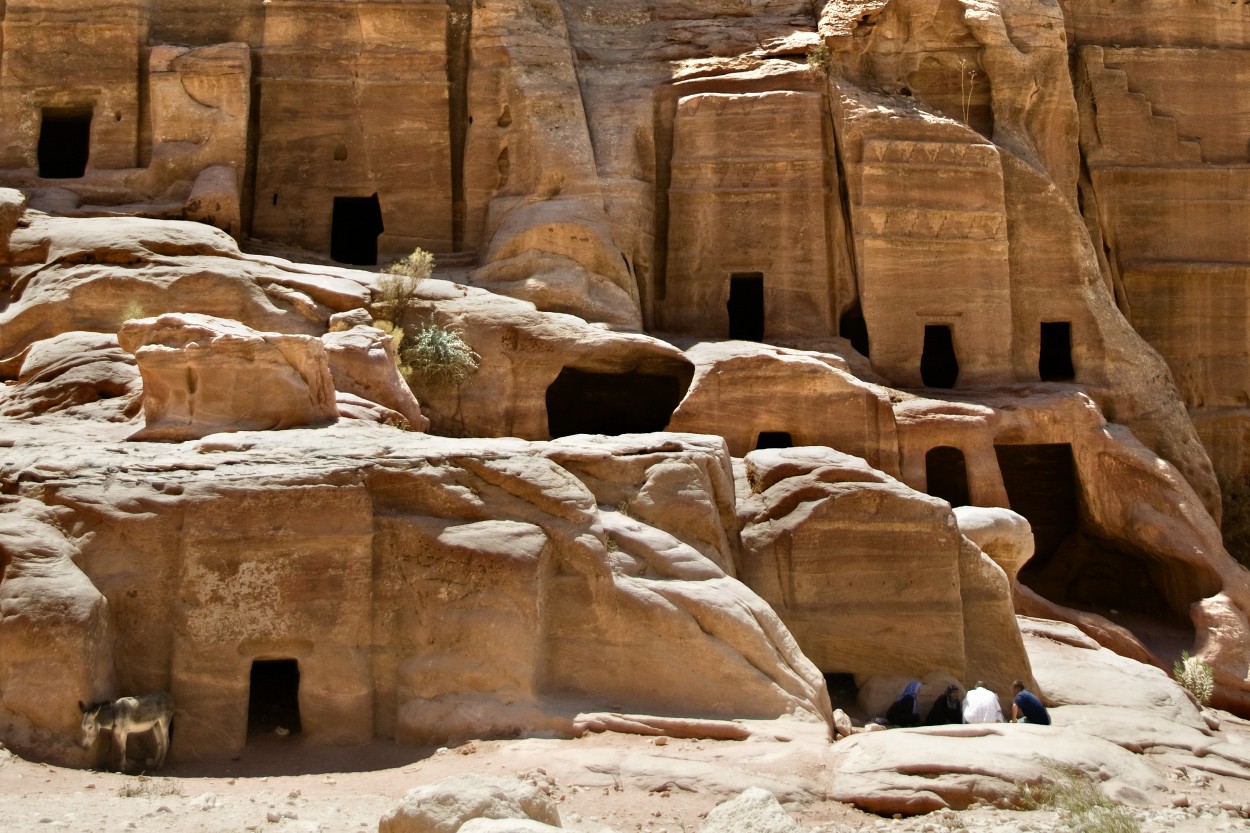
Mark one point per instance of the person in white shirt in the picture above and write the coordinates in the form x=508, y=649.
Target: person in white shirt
x=981, y=706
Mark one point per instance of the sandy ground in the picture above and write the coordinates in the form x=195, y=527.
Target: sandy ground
x=625, y=783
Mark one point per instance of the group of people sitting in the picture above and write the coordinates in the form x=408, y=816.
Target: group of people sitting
x=979, y=705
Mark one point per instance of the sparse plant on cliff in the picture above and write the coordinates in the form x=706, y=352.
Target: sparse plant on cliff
x=1195, y=676
x=1082, y=806
x=397, y=287
x=818, y=56
x=396, y=335
x=967, y=83
x=439, y=355
x=132, y=310
x=419, y=265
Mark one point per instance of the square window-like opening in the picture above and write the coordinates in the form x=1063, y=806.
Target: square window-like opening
x=64, y=142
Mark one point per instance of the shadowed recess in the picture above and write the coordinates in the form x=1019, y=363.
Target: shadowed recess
x=64, y=142
x=273, y=698
x=746, y=306
x=853, y=328
x=774, y=439
x=947, y=474
x=581, y=402
x=354, y=230
x=1054, y=362
x=939, y=368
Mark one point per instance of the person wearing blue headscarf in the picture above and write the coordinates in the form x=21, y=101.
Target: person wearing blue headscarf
x=905, y=711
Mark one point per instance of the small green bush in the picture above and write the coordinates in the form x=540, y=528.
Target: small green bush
x=1195, y=676
x=1082, y=806
x=439, y=356
x=818, y=56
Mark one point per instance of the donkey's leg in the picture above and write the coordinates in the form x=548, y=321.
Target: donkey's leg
x=119, y=738
x=161, y=729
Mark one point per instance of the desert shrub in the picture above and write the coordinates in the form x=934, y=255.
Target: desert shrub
x=439, y=355
x=131, y=311
x=818, y=56
x=1082, y=806
x=396, y=334
x=1195, y=676
x=397, y=286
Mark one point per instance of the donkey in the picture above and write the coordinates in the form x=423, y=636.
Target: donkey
x=125, y=715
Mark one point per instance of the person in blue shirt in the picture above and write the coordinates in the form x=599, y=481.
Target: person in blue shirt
x=1026, y=708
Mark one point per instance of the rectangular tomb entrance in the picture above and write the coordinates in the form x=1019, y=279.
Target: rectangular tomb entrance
x=273, y=697
x=746, y=306
x=64, y=142
x=354, y=230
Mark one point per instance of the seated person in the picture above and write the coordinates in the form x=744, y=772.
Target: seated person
x=905, y=710
x=946, y=709
x=1026, y=707
x=981, y=706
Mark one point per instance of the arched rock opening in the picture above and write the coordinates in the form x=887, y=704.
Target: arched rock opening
x=853, y=328
x=586, y=402
x=774, y=439
x=1075, y=568
x=273, y=696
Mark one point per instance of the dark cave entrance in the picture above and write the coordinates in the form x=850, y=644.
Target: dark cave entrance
x=1075, y=568
x=939, y=368
x=844, y=694
x=853, y=328
x=273, y=698
x=746, y=306
x=582, y=402
x=1054, y=362
x=1042, y=486
x=354, y=230
x=774, y=439
x=64, y=142
x=947, y=474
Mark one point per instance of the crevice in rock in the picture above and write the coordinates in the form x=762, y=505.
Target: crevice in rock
x=459, y=30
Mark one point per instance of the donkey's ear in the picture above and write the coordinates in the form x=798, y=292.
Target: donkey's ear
x=82, y=707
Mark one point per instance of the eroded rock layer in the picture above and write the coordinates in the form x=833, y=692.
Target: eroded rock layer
x=995, y=251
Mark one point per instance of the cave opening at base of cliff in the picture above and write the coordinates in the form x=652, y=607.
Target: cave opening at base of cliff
x=1075, y=568
x=1054, y=362
x=273, y=697
x=947, y=474
x=746, y=306
x=354, y=229
x=64, y=142
x=939, y=367
x=844, y=694
x=774, y=439
x=586, y=402
x=853, y=328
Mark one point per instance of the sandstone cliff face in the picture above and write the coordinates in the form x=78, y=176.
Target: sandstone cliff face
x=993, y=250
